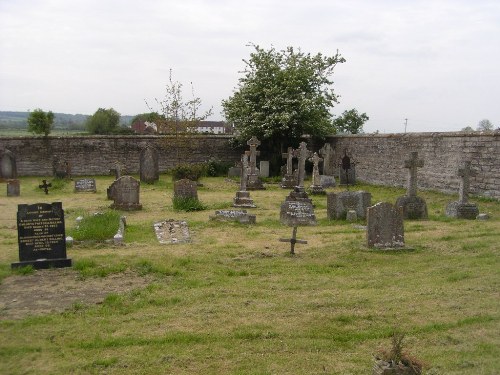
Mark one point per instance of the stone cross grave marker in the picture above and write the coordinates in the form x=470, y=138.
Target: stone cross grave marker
x=302, y=153
x=385, y=226
x=289, y=181
x=289, y=160
x=465, y=173
x=254, y=181
x=242, y=198
x=412, y=164
x=85, y=185
x=148, y=165
x=316, y=187
x=125, y=194
x=45, y=186
x=244, y=172
x=41, y=236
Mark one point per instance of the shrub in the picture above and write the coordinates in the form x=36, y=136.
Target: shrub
x=192, y=172
x=187, y=204
x=216, y=168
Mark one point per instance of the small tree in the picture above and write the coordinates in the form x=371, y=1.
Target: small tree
x=103, y=121
x=485, y=126
x=467, y=129
x=40, y=122
x=350, y=122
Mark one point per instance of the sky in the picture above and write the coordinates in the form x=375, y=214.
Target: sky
x=435, y=63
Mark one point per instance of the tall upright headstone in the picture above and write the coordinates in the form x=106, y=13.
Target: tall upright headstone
x=413, y=206
x=254, y=181
x=347, y=173
x=316, y=187
x=125, y=194
x=385, y=228
x=299, y=192
x=289, y=180
x=463, y=209
x=8, y=166
x=327, y=179
x=242, y=198
x=41, y=236
x=148, y=165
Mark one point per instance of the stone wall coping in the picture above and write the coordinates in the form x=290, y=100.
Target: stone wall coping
x=495, y=133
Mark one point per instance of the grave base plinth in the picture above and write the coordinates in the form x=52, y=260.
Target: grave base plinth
x=41, y=264
x=460, y=210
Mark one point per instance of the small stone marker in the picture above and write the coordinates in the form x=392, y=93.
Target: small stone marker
x=254, y=181
x=13, y=188
x=339, y=204
x=185, y=189
x=414, y=207
x=463, y=209
x=41, y=236
x=85, y=185
x=8, y=166
x=148, y=165
x=45, y=186
x=347, y=171
x=172, y=231
x=316, y=187
x=264, y=168
x=289, y=180
x=242, y=198
x=125, y=194
x=385, y=226
x=240, y=216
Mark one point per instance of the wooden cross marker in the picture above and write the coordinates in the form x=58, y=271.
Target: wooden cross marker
x=293, y=240
x=45, y=186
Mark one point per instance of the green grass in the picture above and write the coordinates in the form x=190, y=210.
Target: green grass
x=234, y=301
x=100, y=226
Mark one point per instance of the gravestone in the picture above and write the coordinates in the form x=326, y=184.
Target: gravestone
x=347, y=172
x=316, y=187
x=463, y=209
x=254, y=181
x=148, y=165
x=234, y=172
x=13, y=188
x=118, y=170
x=8, y=166
x=61, y=169
x=299, y=193
x=327, y=179
x=41, y=236
x=172, y=231
x=125, y=194
x=240, y=216
x=295, y=214
x=45, y=186
x=85, y=185
x=414, y=207
x=385, y=226
x=289, y=180
x=185, y=189
x=242, y=198
x=338, y=204
x=264, y=168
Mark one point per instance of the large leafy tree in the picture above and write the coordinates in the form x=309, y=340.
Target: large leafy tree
x=40, y=122
x=282, y=96
x=103, y=121
x=350, y=121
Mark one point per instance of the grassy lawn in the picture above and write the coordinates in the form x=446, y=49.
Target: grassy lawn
x=234, y=301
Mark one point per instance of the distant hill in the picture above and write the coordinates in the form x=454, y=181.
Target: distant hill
x=18, y=120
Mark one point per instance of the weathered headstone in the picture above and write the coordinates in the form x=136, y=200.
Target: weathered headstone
x=254, y=181
x=148, y=165
x=414, y=207
x=242, y=198
x=185, y=189
x=295, y=214
x=172, y=231
x=8, y=166
x=316, y=187
x=13, y=188
x=264, y=168
x=347, y=173
x=289, y=181
x=45, y=186
x=385, y=226
x=85, y=185
x=240, y=216
x=299, y=193
x=463, y=209
x=338, y=204
x=328, y=161
x=234, y=172
x=125, y=194
x=41, y=236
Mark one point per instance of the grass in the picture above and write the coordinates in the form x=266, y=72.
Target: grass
x=99, y=226
x=233, y=301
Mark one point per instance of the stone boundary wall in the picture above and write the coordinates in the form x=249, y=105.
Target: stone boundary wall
x=95, y=155
x=380, y=159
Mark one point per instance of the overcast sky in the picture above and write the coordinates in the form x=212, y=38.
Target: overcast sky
x=436, y=63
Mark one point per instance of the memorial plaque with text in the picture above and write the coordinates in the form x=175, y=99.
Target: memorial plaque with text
x=297, y=213
x=85, y=185
x=41, y=236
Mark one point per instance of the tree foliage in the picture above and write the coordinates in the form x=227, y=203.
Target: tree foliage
x=103, y=121
x=350, y=122
x=485, y=126
x=282, y=96
x=40, y=122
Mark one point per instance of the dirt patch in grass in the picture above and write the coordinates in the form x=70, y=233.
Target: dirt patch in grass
x=55, y=290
